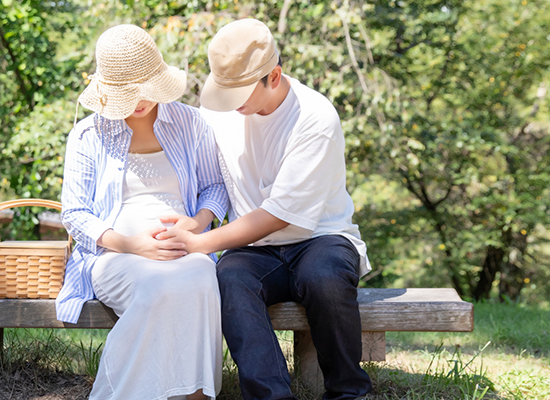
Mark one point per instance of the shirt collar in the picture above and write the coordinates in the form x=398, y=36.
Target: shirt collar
x=163, y=113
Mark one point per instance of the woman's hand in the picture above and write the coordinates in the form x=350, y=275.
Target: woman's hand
x=196, y=224
x=182, y=222
x=144, y=244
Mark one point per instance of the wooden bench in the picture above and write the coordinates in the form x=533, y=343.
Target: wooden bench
x=382, y=310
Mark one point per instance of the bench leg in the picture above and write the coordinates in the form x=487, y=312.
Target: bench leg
x=2, y=345
x=306, y=367
x=305, y=356
x=374, y=346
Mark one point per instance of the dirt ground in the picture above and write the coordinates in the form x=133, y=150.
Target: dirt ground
x=28, y=383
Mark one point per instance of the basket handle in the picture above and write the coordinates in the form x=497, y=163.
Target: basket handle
x=32, y=202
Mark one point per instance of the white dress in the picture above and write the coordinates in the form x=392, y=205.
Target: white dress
x=168, y=341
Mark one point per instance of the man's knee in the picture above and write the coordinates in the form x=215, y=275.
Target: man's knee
x=328, y=289
x=229, y=270
x=330, y=275
x=235, y=277
x=330, y=260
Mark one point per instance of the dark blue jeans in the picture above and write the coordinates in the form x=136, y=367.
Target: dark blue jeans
x=320, y=274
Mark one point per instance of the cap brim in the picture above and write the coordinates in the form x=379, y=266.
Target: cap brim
x=217, y=98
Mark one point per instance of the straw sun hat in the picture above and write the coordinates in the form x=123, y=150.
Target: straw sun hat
x=130, y=68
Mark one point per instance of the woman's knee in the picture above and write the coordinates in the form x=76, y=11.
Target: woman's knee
x=195, y=276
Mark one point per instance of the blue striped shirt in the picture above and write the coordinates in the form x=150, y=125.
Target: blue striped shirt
x=95, y=165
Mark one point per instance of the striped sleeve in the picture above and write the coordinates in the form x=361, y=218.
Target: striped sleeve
x=77, y=196
x=212, y=192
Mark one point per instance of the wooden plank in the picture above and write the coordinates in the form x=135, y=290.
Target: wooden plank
x=27, y=313
x=381, y=310
x=394, y=310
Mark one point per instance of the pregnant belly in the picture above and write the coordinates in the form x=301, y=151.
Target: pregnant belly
x=134, y=218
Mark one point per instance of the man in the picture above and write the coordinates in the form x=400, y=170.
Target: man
x=282, y=156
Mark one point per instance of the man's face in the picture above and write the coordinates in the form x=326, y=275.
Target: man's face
x=258, y=100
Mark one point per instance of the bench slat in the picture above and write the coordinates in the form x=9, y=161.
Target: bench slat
x=381, y=310
x=384, y=310
x=30, y=313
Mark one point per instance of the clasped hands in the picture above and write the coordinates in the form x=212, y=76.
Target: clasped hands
x=168, y=243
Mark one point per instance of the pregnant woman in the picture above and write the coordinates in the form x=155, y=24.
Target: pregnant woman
x=139, y=157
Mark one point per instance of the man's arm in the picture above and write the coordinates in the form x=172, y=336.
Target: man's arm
x=241, y=232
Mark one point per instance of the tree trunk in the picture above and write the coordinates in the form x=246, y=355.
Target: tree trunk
x=511, y=281
x=512, y=276
x=491, y=265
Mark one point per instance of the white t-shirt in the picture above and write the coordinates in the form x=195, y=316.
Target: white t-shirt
x=290, y=163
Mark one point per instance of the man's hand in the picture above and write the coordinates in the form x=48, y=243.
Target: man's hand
x=190, y=242
x=144, y=244
x=241, y=232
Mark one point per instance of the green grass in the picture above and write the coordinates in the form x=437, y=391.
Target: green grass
x=507, y=356
x=510, y=328
x=509, y=349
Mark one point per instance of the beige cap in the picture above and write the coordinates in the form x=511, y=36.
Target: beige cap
x=130, y=68
x=240, y=55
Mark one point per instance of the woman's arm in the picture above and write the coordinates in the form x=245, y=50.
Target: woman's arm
x=79, y=185
x=143, y=244
x=212, y=194
x=79, y=197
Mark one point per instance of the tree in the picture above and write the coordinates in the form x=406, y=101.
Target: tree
x=443, y=105
x=31, y=79
x=463, y=134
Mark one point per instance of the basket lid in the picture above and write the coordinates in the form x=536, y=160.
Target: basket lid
x=34, y=244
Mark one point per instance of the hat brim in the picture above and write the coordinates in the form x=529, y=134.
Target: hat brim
x=120, y=101
x=217, y=98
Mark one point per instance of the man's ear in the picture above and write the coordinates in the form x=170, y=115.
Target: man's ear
x=275, y=77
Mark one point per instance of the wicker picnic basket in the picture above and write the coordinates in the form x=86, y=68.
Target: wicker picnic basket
x=32, y=269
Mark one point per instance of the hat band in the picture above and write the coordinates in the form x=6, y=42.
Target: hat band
x=248, y=78
x=104, y=81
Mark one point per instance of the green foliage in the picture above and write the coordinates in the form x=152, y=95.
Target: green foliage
x=32, y=161
x=33, y=82
x=29, y=72
x=443, y=106
x=459, y=125
x=33, y=156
